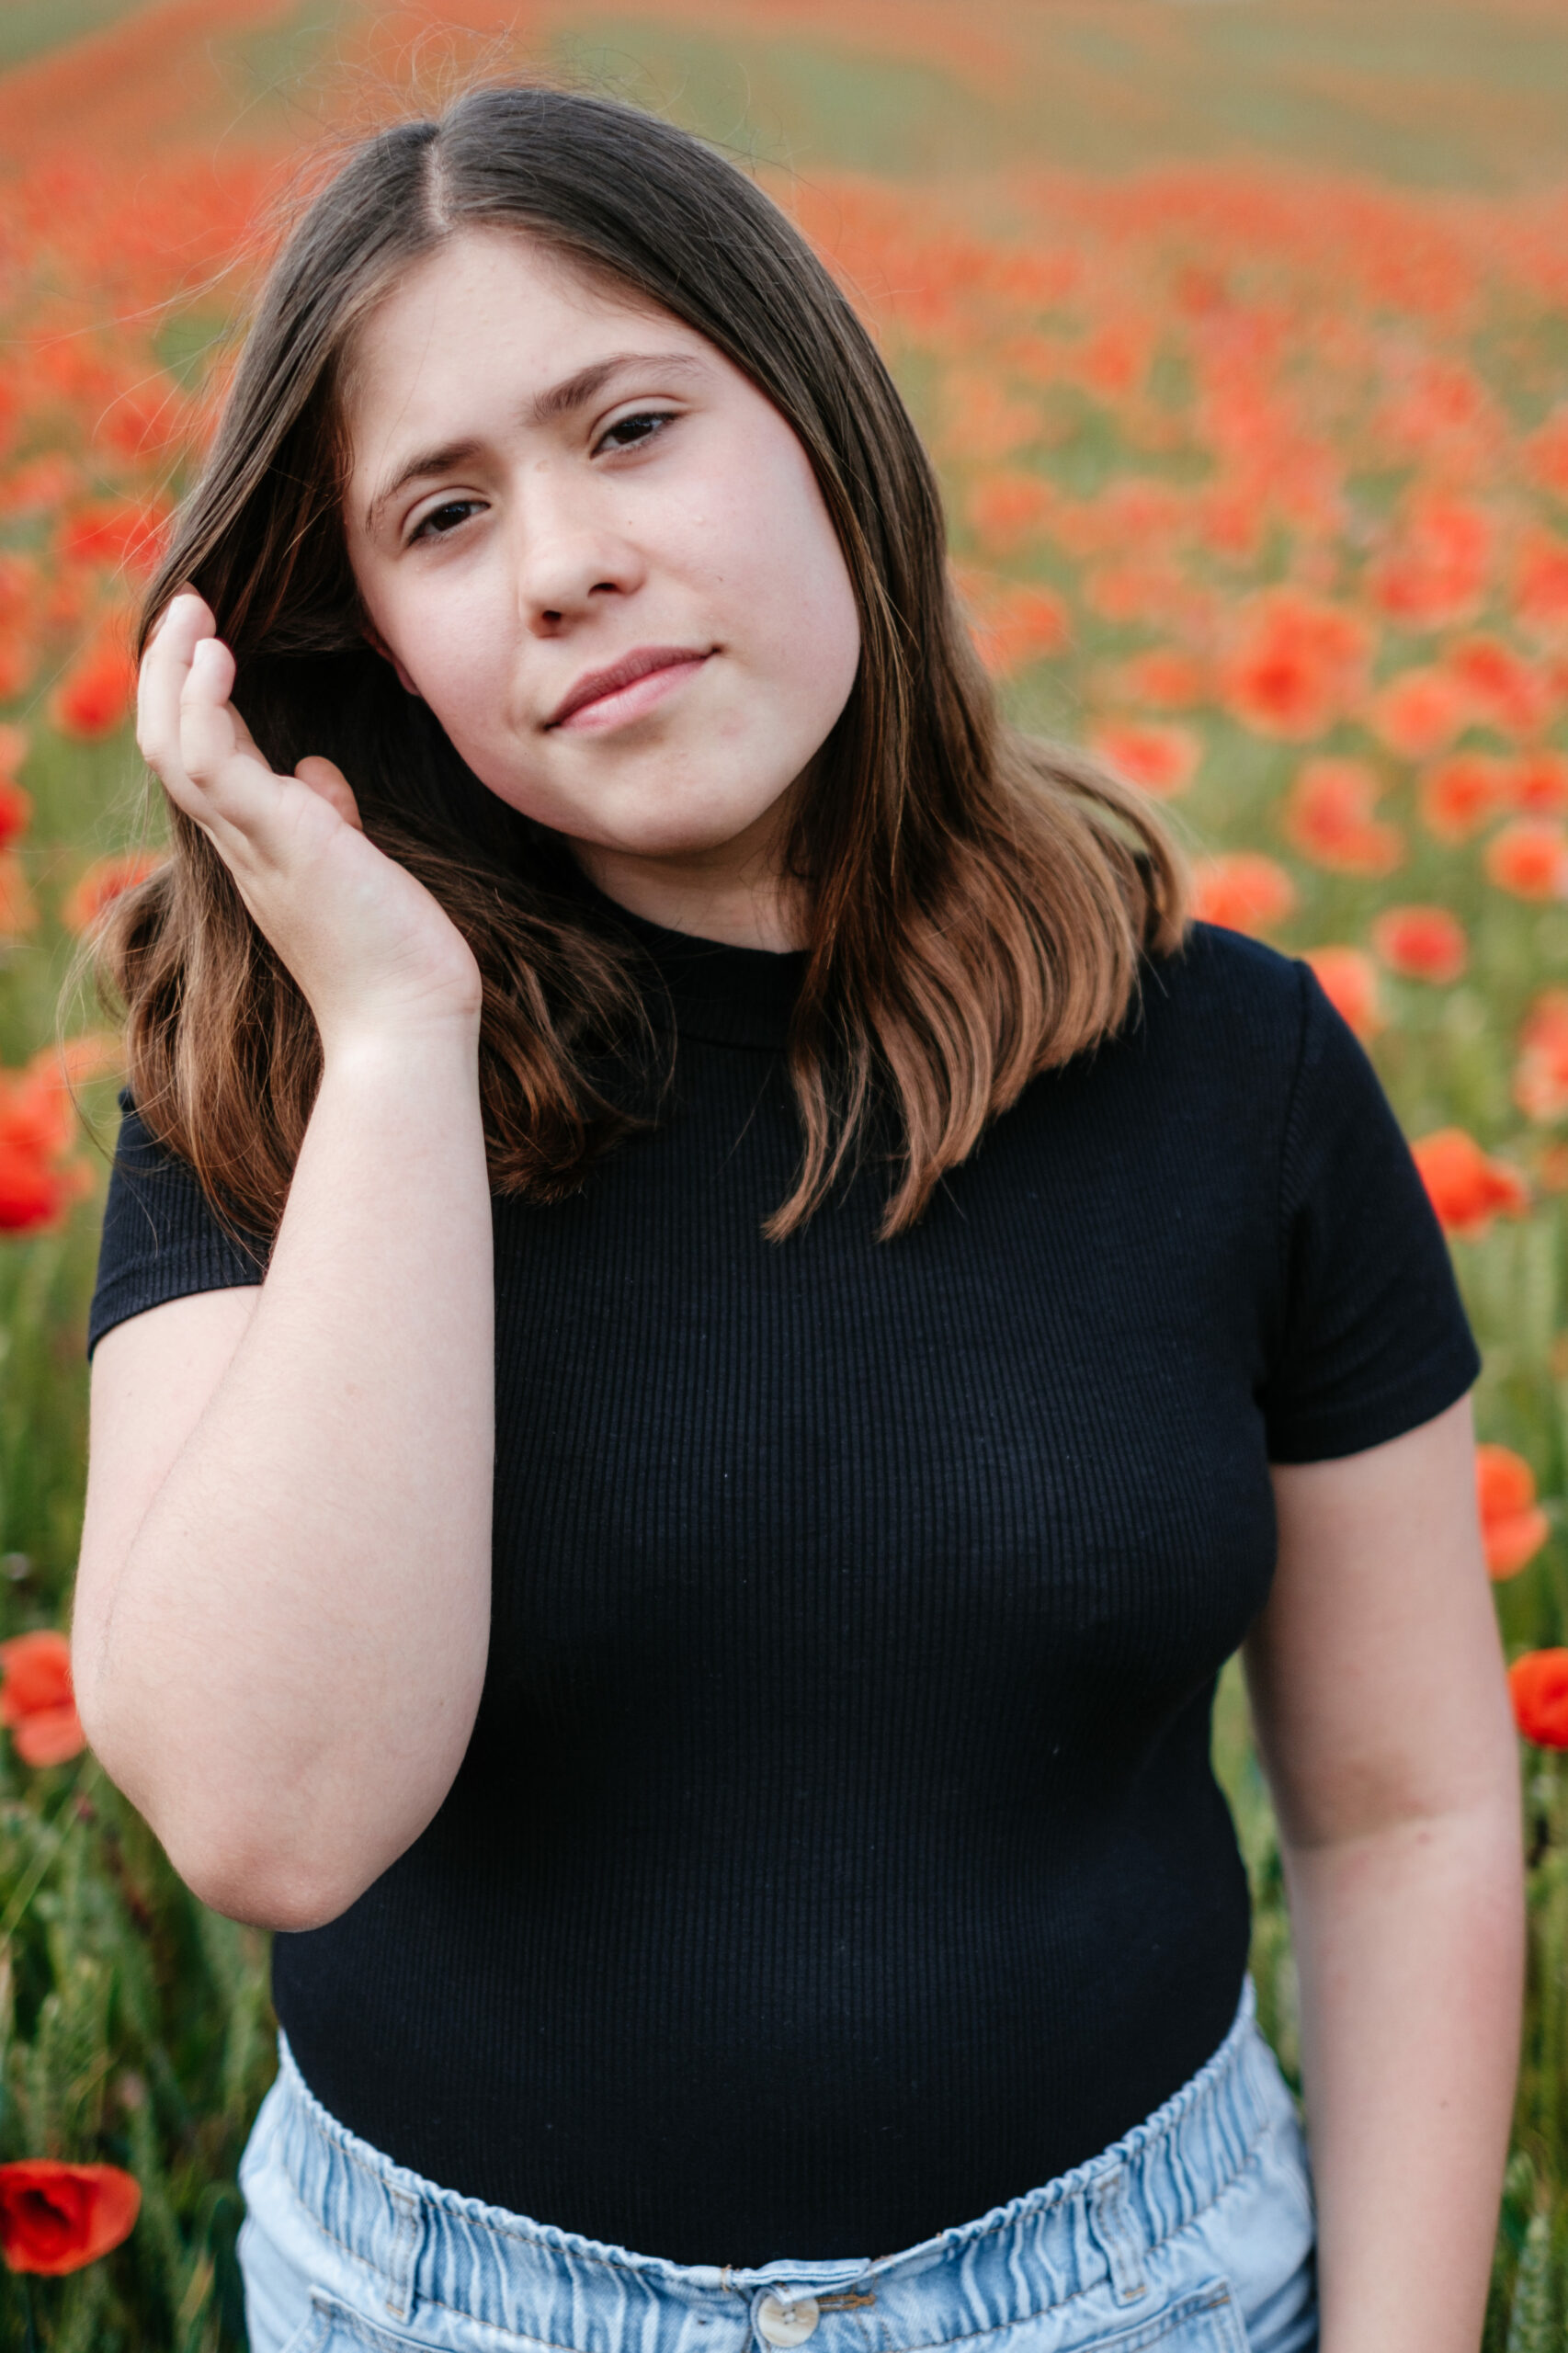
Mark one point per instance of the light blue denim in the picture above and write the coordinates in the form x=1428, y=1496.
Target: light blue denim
x=1193, y=2234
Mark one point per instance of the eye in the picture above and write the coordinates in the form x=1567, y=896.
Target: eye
x=432, y=523
x=644, y=426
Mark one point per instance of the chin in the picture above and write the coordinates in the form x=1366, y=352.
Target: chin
x=652, y=818
x=664, y=833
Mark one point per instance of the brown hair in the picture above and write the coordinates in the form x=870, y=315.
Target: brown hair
x=978, y=901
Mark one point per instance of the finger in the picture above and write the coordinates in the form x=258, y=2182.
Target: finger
x=184, y=589
x=325, y=779
x=185, y=620
x=193, y=624
x=207, y=739
x=223, y=782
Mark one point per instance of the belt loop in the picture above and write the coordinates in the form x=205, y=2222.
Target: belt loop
x=1120, y=2241
x=403, y=2250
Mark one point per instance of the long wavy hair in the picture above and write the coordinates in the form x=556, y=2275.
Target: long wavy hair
x=978, y=901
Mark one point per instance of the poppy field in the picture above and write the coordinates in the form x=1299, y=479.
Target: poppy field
x=1240, y=338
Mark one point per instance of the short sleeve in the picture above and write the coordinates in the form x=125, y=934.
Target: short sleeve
x=161, y=1238
x=1373, y=1339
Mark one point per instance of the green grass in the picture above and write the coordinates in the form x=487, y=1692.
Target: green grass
x=29, y=28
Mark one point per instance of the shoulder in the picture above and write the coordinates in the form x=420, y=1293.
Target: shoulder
x=138, y=1152
x=1223, y=994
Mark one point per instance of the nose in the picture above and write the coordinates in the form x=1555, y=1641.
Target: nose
x=568, y=553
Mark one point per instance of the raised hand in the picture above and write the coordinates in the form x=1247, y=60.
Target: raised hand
x=370, y=949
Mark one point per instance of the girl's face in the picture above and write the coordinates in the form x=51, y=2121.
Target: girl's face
x=601, y=556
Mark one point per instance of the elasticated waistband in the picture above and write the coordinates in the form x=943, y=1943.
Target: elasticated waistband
x=426, y=2245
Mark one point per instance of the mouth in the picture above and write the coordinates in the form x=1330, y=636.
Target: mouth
x=628, y=687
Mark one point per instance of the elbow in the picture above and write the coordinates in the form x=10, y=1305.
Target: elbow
x=295, y=1868
x=289, y=1851
x=261, y=1887
x=245, y=1870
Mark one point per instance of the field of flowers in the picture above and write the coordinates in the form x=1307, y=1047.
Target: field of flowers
x=1257, y=464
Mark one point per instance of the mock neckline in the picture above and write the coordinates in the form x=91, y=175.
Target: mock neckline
x=709, y=990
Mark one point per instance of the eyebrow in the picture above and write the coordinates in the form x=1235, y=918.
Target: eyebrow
x=562, y=400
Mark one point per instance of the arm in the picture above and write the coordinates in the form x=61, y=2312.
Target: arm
x=282, y=1607
x=1383, y=1718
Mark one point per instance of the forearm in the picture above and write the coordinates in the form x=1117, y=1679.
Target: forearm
x=1409, y=1944
x=287, y=1672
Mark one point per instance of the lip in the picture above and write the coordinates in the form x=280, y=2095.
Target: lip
x=598, y=687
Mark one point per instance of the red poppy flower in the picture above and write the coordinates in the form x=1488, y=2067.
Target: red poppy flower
x=113, y=532
x=16, y=811
x=1162, y=679
x=1433, y=573
x=1350, y=980
x=36, y=1128
x=1328, y=817
x=1513, y=1526
x=1007, y=511
x=1540, y=1075
x=1421, y=943
x=1503, y=689
x=20, y=594
x=1295, y=665
x=37, y=1702
x=1540, y=584
x=76, y=1062
x=35, y=1106
x=1245, y=890
x=1466, y=1187
x=1419, y=713
x=1158, y=755
x=1462, y=794
x=1013, y=622
x=102, y=883
x=1230, y=519
x=984, y=419
x=1538, y=1685
x=56, y=2218
x=97, y=693
x=1529, y=858
x=18, y=908
x=1149, y=589
x=1538, y=783
x=1548, y=451
x=33, y=1194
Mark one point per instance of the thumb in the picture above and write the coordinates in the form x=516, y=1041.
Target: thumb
x=324, y=776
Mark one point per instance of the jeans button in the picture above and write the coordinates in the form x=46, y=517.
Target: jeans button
x=782, y=2323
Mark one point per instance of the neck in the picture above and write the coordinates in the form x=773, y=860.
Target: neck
x=734, y=893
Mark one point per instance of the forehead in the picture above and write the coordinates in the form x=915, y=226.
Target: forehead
x=487, y=312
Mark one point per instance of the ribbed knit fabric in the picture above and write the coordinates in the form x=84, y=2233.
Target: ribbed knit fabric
x=837, y=1855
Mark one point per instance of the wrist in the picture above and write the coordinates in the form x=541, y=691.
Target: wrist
x=373, y=1048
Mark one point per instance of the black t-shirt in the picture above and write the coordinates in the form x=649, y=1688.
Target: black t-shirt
x=837, y=1854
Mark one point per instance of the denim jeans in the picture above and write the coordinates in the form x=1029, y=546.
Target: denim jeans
x=1192, y=2234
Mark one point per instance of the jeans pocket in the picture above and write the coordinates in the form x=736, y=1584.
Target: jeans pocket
x=1206, y=2319
x=309, y=2338
x=332, y=2326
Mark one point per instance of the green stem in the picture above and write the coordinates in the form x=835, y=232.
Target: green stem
x=50, y=1845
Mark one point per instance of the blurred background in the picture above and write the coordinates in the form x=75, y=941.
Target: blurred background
x=1239, y=331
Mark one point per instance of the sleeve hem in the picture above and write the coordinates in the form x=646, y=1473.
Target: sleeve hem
x=138, y=1288
x=1404, y=1404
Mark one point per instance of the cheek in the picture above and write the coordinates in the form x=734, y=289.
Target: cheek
x=786, y=581
x=456, y=649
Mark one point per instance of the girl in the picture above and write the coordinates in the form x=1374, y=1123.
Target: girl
x=714, y=1315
